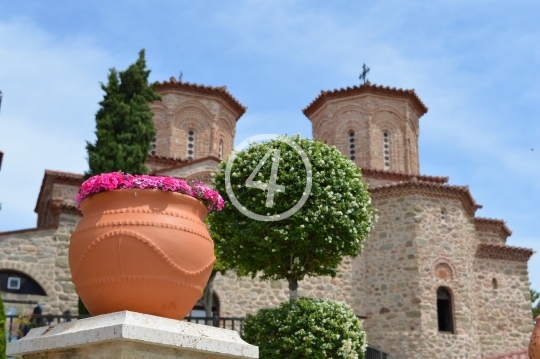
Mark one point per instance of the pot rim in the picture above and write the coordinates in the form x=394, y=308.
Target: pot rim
x=145, y=191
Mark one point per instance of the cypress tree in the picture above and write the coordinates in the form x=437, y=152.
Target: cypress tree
x=124, y=126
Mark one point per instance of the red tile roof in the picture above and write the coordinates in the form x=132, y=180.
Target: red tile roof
x=492, y=225
x=501, y=251
x=50, y=177
x=324, y=96
x=428, y=188
x=185, y=163
x=515, y=354
x=164, y=160
x=220, y=92
x=400, y=176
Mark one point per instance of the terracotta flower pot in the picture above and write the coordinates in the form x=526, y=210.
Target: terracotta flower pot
x=534, y=344
x=142, y=250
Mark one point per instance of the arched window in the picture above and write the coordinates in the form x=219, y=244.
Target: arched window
x=220, y=149
x=19, y=283
x=191, y=145
x=445, y=313
x=351, y=145
x=410, y=155
x=153, y=146
x=386, y=150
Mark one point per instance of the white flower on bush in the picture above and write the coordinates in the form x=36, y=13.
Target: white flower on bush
x=307, y=328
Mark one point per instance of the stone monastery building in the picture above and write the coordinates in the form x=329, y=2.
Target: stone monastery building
x=434, y=280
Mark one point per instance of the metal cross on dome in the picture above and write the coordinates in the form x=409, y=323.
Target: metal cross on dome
x=364, y=73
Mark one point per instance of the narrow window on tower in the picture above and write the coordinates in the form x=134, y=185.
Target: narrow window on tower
x=386, y=150
x=220, y=149
x=443, y=215
x=191, y=145
x=445, y=314
x=351, y=146
x=153, y=146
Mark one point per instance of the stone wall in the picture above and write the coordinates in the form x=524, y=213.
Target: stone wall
x=42, y=255
x=448, y=244
x=391, y=277
x=489, y=237
x=502, y=292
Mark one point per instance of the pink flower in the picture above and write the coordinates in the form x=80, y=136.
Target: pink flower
x=118, y=180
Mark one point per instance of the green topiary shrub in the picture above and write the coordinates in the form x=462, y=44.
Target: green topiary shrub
x=333, y=222
x=306, y=328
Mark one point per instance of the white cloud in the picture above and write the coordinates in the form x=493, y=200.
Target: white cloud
x=51, y=90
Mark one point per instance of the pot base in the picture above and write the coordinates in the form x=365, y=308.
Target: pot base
x=161, y=297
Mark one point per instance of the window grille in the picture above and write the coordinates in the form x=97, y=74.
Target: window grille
x=191, y=145
x=153, y=147
x=351, y=146
x=386, y=150
x=220, y=149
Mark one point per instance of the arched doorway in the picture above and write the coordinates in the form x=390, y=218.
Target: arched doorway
x=19, y=283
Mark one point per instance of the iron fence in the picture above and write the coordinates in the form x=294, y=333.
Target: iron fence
x=19, y=325
x=231, y=323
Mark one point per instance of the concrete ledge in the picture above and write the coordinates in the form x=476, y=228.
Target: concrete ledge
x=131, y=335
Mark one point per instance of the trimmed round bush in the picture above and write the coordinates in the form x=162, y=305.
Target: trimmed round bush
x=306, y=328
x=333, y=223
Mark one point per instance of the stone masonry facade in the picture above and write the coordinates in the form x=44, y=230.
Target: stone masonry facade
x=427, y=237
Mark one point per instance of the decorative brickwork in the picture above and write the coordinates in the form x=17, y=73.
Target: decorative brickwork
x=381, y=91
x=209, y=112
x=376, y=177
x=370, y=111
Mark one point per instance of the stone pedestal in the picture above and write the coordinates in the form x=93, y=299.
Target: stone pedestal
x=131, y=335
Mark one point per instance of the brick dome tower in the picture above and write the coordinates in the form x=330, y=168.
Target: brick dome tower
x=194, y=121
x=376, y=127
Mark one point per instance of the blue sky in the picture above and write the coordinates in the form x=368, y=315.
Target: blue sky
x=476, y=65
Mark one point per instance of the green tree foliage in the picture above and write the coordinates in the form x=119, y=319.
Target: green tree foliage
x=535, y=309
x=306, y=328
x=333, y=222
x=2, y=330
x=124, y=126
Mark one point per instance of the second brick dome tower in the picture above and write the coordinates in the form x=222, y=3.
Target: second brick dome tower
x=376, y=127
